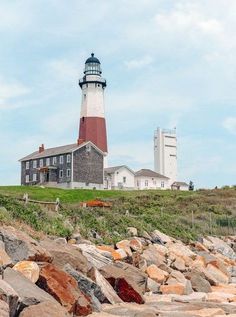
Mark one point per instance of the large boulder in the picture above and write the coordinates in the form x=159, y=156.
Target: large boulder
x=4, y=309
x=123, y=283
x=45, y=309
x=157, y=274
x=88, y=287
x=10, y=296
x=95, y=257
x=137, y=275
x=29, y=293
x=222, y=247
x=107, y=290
x=63, y=254
x=152, y=256
x=29, y=269
x=199, y=282
x=64, y=289
x=19, y=246
x=5, y=260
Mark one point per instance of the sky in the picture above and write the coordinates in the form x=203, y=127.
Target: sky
x=167, y=64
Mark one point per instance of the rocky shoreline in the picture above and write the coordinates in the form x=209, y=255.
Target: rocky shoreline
x=144, y=276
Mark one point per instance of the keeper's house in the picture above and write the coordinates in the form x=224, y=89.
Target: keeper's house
x=68, y=166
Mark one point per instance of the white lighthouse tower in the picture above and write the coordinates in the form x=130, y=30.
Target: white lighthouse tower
x=92, y=117
x=165, y=153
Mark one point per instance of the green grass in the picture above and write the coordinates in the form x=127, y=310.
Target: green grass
x=213, y=211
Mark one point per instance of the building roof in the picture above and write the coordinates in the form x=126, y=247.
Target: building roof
x=92, y=59
x=113, y=169
x=57, y=151
x=149, y=173
x=179, y=184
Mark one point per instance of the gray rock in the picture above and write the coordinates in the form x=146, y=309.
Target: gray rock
x=29, y=293
x=137, y=275
x=88, y=287
x=199, y=282
x=9, y=295
x=63, y=254
x=19, y=246
x=93, y=255
x=152, y=286
x=45, y=309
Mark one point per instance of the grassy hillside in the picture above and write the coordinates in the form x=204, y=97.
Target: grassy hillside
x=185, y=215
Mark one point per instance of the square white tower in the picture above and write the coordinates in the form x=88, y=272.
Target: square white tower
x=165, y=153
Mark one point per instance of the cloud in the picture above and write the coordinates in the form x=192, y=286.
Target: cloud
x=230, y=124
x=9, y=91
x=139, y=63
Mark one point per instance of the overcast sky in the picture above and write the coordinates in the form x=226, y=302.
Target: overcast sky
x=167, y=63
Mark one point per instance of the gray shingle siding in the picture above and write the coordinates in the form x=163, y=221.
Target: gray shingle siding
x=53, y=174
x=88, y=165
x=87, y=168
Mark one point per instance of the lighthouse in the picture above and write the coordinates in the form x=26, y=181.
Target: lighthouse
x=92, y=117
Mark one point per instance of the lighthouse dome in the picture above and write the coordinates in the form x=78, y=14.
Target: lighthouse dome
x=92, y=59
x=92, y=66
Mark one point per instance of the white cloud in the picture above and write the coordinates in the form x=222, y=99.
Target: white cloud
x=230, y=124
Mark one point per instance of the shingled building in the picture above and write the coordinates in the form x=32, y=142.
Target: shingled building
x=68, y=166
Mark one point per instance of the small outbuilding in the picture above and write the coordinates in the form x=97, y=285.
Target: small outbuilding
x=180, y=186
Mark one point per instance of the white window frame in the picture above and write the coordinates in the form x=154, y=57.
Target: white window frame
x=162, y=184
x=124, y=179
x=27, y=178
x=68, y=158
x=27, y=165
x=146, y=182
x=35, y=164
x=54, y=160
x=68, y=172
x=41, y=163
x=47, y=161
x=61, y=159
x=60, y=173
x=34, y=177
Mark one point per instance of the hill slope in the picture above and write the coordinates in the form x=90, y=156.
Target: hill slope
x=184, y=215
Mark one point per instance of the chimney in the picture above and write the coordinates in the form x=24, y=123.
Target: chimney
x=80, y=141
x=41, y=148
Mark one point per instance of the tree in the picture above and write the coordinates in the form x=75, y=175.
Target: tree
x=191, y=186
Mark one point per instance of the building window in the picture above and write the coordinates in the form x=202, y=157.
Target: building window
x=34, y=164
x=162, y=184
x=41, y=163
x=68, y=172
x=60, y=173
x=137, y=183
x=48, y=161
x=34, y=177
x=27, y=178
x=124, y=179
x=54, y=160
x=68, y=158
x=61, y=159
x=146, y=182
x=27, y=165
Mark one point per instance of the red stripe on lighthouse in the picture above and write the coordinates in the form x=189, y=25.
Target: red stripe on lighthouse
x=94, y=129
